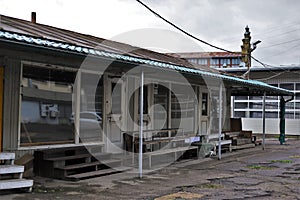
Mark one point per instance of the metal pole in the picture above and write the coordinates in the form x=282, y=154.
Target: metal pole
x=77, y=107
x=220, y=119
x=264, y=120
x=141, y=126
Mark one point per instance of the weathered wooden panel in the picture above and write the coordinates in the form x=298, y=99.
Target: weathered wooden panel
x=11, y=104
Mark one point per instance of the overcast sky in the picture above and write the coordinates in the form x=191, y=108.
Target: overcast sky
x=221, y=22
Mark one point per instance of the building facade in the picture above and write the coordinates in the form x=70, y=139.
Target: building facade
x=212, y=59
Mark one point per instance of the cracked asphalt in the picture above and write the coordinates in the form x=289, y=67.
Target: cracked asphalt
x=273, y=173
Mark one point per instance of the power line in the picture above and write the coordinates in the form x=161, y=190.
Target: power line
x=183, y=31
x=198, y=39
x=281, y=43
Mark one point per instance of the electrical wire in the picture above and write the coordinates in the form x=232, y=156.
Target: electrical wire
x=202, y=41
x=183, y=31
x=281, y=43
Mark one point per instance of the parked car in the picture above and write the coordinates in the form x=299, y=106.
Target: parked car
x=88, y=120
x=90, y=124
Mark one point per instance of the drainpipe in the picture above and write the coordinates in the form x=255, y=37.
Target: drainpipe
x=264, y=120
x=282, y=118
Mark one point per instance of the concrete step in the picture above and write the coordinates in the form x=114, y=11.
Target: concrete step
x=243, y=146
x=111, y=162
x=7, y=157
x=11, y=169
x=102, y=172
x=73, y=157
x=16, y=183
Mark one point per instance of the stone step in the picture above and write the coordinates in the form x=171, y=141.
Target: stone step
x=16, y=183
x=11, y=169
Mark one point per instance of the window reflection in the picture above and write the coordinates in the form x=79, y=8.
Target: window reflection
x=46, y=106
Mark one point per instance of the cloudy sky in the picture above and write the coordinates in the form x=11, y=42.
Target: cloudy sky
x=221, y=22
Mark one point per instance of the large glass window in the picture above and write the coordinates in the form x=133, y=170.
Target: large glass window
x=241, y=97
x=214, y=62
x=193, y=60
x=239, y=114
x=256, y=114
x=298, y=86
x=46, y=107
x=242, y=105
x=271, y=114
x=202, y=61
x=91, y=106
x=236, y=61
x=224, y=61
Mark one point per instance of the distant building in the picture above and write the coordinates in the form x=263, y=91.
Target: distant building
x=212, y=59
x=250, y=108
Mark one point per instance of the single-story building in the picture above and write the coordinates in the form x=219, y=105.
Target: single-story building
x=65, y=89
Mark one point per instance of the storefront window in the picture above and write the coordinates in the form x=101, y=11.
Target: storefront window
x=91, y=106
x=46, y=107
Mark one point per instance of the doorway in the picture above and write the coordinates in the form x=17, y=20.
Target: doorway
x=115, y=117
x=204, y=112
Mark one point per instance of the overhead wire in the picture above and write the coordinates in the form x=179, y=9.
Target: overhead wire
x=200, y=40
x=183, y=31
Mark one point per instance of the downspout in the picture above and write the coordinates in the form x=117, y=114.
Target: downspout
x=282, y=118
x=264, y=121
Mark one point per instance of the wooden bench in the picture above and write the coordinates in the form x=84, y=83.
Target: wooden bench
x=214, y=140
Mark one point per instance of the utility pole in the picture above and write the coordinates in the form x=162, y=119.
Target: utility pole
x=247, y=49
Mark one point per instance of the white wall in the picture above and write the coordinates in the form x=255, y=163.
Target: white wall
x=292, y=126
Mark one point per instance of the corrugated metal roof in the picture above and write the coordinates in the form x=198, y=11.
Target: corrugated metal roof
x=15, y=37
x=46, y=32
x=17, y=30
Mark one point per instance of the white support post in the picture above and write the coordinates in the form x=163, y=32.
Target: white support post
x=264, y=121
x=141, y=126
x=220, y=119
x=77, y=107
